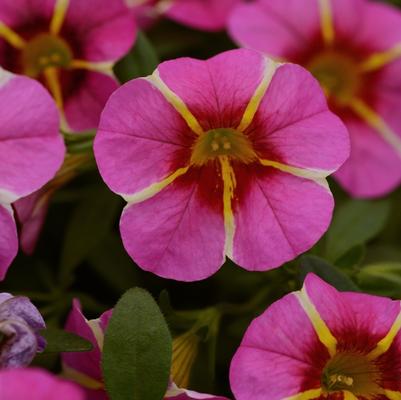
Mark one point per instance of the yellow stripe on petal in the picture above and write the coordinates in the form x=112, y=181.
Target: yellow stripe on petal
x=317, y=175
x=253, y=105
x=175, y=101
x=349, y=396
x=379, y=60
x=376, y=122
x=229, y=181
x=388, y=340
x=392, y=395
x=60, y=11
x=103, y=67
x=326, y=21
x=155, y=188
x=94, y=325
x=82, y=379
x=308, y=395
x=11, y=37
x=320, y=327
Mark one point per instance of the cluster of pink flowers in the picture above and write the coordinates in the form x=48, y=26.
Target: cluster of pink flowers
x=223, y=158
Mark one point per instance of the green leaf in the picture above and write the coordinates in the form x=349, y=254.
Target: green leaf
x=90, y=222
x=382, y=278
x=355, y=223
x=137, y=349
x=108, y=257
x=142, y=60
x=327, y=272
x=352, y=258
x=59, y=341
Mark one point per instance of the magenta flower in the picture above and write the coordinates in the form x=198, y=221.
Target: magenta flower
x=353, y=48
x=208, y=15
x=20, y=324
x=31, y=150
x=84, y=368
x=36, y=384
x=319, y=343
x=70, y=46
x=220, y=157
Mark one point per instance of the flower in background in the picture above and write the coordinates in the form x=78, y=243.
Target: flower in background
x=225, y=157
x=20, y=324
x=31, y=150
x=353, y=47
x=84, y=368
x=36, y=384
x=208, y=15
x=319, y=343
x=71, y=47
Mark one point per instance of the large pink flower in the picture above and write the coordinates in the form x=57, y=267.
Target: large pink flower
x=353, y=48
x=69, y=45
x=208, y=15
x=220, y=157
x=36, y=384
x=319, y=343
x=31, y=150
x=85, y=369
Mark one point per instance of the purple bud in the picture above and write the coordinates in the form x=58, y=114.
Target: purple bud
x=20, y=324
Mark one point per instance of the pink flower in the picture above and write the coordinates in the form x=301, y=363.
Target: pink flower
x=31, y=150
x=353, y=48
x=36, y=384
x=225, y=157
x=84, y=368
x=70, y=46
x=319, y=343
x=208, y=15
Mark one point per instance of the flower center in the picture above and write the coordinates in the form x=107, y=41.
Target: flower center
x=43, y=51
x=352, y=372
x=222, y=142
x=339, y=75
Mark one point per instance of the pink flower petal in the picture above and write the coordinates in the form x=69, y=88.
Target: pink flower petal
x=209, y=15
x=278, y=217
x=279, y=355
x=30, y=143
x=84, y=105
x=374, y=167
x=36, y=384
x=378, y=25
x=175, y=393
x=31, y=212
x=105, y=28
x=216, y=91
x=87, y=363
x=17, y=13
x=8, y=239
x=358, y=321
x=149, y=136
x=176, y=234
x=276, y=27
x=294, y=129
